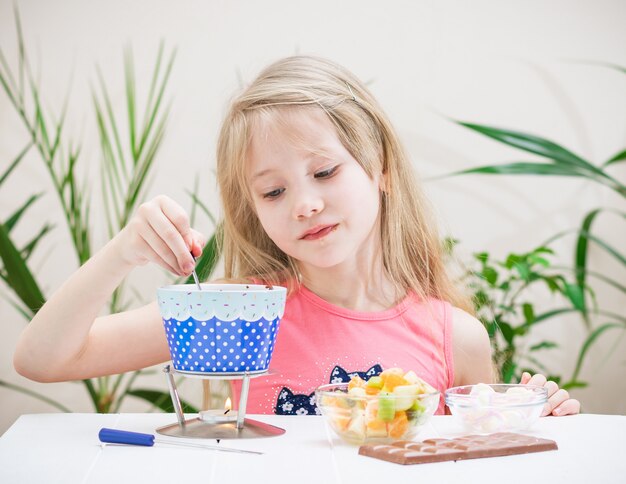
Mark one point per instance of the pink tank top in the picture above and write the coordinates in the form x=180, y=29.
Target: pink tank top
x=319, y=343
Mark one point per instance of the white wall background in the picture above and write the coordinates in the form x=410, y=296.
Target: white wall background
x=510, y=64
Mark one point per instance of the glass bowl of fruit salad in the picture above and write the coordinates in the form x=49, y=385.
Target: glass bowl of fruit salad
x=390, y=406
x=485, y=409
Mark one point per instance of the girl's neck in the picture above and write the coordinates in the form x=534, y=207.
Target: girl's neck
x=348, y=288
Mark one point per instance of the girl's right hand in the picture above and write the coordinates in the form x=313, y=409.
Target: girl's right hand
x=159, y=232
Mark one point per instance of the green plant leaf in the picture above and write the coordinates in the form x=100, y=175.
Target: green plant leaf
x=523, y=270
x=15, y=217
x=550, y=314
x=576, y=296
x=552, y=284
x=153, y=110
x=574, y=384
x=20, y=309
x=161, y=400
x=15, y=163
x=481, y=298
x=19, y=277
x=538, y=260
x=621, y=156
x=198, y=203
x=490, y=275
x=30, y=246
x=565, y=163
x=507, y=331
x=508, y=370
x=593, y=336
x=615, y=67
x=524, y=168
x=37, y=395
x=529, y=313
x=482, y=256
x=580, y=260
x=512, y=260
x=543, y=346
x=529, y=143
x=545, y=316
x=129, y=75
x=111, y=121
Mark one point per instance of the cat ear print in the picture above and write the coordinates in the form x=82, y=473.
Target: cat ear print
x=340, y=373
x=285, y=395
x=375, y=370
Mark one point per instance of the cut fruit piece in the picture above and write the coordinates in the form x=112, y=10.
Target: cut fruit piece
x=356, y=382
x=356, y=428
x=398, y=425
x=375, y=382
x=357, y=392
x=408, y=394
x=412, y=378
x=386, y=407
x=340, y=421
x=393, y=380
x=391, y=371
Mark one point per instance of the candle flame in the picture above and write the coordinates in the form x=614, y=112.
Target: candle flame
x=228, y=405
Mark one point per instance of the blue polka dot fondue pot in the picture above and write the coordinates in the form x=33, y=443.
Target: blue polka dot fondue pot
x=222, y=329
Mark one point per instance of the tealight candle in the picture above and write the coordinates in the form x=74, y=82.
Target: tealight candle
x=219, y=416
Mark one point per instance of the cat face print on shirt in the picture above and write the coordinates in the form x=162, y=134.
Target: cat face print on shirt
x=289, y=403
x=339, y=375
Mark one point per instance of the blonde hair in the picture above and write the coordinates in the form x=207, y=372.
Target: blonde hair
x=411, y=248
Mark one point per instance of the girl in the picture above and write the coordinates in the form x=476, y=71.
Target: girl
x=318, y=195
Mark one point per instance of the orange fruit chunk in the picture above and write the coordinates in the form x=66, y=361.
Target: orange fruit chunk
x=356, y=382
x=376, y=424
x=393, y=380
x=372, y=391
x=399, y=425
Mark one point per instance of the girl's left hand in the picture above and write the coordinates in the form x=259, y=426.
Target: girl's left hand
x=559, y=402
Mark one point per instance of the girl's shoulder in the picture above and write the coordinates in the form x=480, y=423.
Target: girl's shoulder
x=471, y=349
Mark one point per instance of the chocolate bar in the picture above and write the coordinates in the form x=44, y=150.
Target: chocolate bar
x=467, y=447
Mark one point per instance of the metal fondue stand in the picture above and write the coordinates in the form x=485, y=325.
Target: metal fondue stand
x=241, y=428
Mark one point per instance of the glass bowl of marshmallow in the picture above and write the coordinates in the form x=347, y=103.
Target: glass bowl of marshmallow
x=485, y=409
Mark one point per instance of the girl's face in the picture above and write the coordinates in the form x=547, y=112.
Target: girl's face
x=312, y=197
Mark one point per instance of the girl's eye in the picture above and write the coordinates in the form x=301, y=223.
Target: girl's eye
x=274, y=193
x=326, y=173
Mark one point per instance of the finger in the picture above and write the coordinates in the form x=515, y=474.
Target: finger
x=199, y=241
x=173, y=241
x=159, y=250
x=568, y=407
x=538, y=380
x=554, y=401
x=152, y=256
x=525, y=377
x=179, y=219
x=552, y=388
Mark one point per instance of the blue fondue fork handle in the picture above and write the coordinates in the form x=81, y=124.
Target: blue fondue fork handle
x=113, y=436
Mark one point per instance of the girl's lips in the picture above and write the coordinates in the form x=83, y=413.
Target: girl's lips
x=318, y=232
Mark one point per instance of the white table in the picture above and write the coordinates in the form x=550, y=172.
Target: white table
x=64, y=448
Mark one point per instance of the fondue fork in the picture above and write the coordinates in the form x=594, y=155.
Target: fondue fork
x=114, y=436
x=195, y=276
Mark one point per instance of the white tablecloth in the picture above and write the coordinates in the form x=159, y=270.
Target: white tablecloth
x=64, y=448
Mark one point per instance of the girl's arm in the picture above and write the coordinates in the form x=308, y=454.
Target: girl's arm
x=66, y=340
x=473, y=364
x=471, y=350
